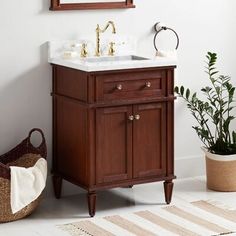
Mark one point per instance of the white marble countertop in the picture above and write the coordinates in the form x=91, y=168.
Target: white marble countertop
x=67, y=53
x=83, y=65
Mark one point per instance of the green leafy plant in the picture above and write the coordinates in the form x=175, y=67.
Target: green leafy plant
x=214, y=115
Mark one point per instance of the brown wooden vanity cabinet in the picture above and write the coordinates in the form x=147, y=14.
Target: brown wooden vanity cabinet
x=113, y=129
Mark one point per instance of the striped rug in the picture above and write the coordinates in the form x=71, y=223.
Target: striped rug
x=190, y=219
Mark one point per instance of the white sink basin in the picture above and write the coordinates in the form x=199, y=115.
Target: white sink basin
x=114, y=59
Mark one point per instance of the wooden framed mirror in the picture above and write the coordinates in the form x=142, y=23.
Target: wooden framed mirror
x=60, y=5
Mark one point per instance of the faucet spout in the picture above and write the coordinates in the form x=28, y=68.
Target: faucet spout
x=98, y=31
x=109, y=23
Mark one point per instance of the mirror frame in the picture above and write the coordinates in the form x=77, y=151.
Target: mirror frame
x=57, y=6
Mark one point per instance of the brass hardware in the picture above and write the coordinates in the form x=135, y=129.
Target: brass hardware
x=137, y=117
x=148, y=84
x=131, y=118
x=119, y=87
x=84, y=52
x=98, y=31
x=111, y=51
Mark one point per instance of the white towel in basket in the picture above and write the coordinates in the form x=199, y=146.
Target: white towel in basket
x=27, y=184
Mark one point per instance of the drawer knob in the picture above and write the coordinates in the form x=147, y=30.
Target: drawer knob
x=148, y=84
x=119, y=87
x=131, y=118
x=137, y=117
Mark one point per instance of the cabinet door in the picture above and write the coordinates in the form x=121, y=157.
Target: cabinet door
x=149, y=137
x=113, y=144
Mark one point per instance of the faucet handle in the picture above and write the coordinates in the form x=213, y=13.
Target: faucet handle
x=111, y=50
x=84, y=51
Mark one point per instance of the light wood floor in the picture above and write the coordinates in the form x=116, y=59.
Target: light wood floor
x=73, y=208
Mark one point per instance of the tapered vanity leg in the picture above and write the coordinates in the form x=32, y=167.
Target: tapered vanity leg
x=168, y=187
x=57, y=184
x=92, y=203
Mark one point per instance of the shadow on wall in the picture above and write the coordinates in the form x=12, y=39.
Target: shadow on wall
x=45, y=6
x=25, y=102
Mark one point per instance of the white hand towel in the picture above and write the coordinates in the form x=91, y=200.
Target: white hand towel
x=169, y=54
x=27, y=184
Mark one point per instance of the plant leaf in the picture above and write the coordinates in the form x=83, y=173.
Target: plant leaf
x=187, y=93
x=234, y=137
x=176, y=89
x=182, y=90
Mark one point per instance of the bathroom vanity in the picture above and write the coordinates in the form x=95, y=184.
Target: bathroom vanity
x=113, y=124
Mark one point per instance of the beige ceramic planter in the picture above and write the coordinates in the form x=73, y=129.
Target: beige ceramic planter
x=221, y=172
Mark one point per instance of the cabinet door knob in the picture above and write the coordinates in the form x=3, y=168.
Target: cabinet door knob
x=119, y=87
x=137, y=117
x=148, y=84
x=131, y=118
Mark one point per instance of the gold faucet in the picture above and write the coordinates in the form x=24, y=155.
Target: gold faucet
x=111, y=50
x=98, y=31
x=84, y=51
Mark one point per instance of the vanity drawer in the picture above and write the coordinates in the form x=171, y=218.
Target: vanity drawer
x=130, y=85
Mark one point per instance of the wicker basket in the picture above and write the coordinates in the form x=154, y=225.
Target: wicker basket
x=23, y=155
x=221, y=172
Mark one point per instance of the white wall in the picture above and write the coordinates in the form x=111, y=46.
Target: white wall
x=25, y=75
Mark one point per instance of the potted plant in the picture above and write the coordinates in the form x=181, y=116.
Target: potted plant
x=214, y=116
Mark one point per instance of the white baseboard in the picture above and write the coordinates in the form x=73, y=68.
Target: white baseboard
x=184, y=168
x=187, y=167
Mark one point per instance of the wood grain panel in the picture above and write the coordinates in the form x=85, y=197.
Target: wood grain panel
x=71, y=145
x=113, y=144
x=56, y=5
x=170, y=124
x=149, y=143
x=133, y=85
x=71, y=83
